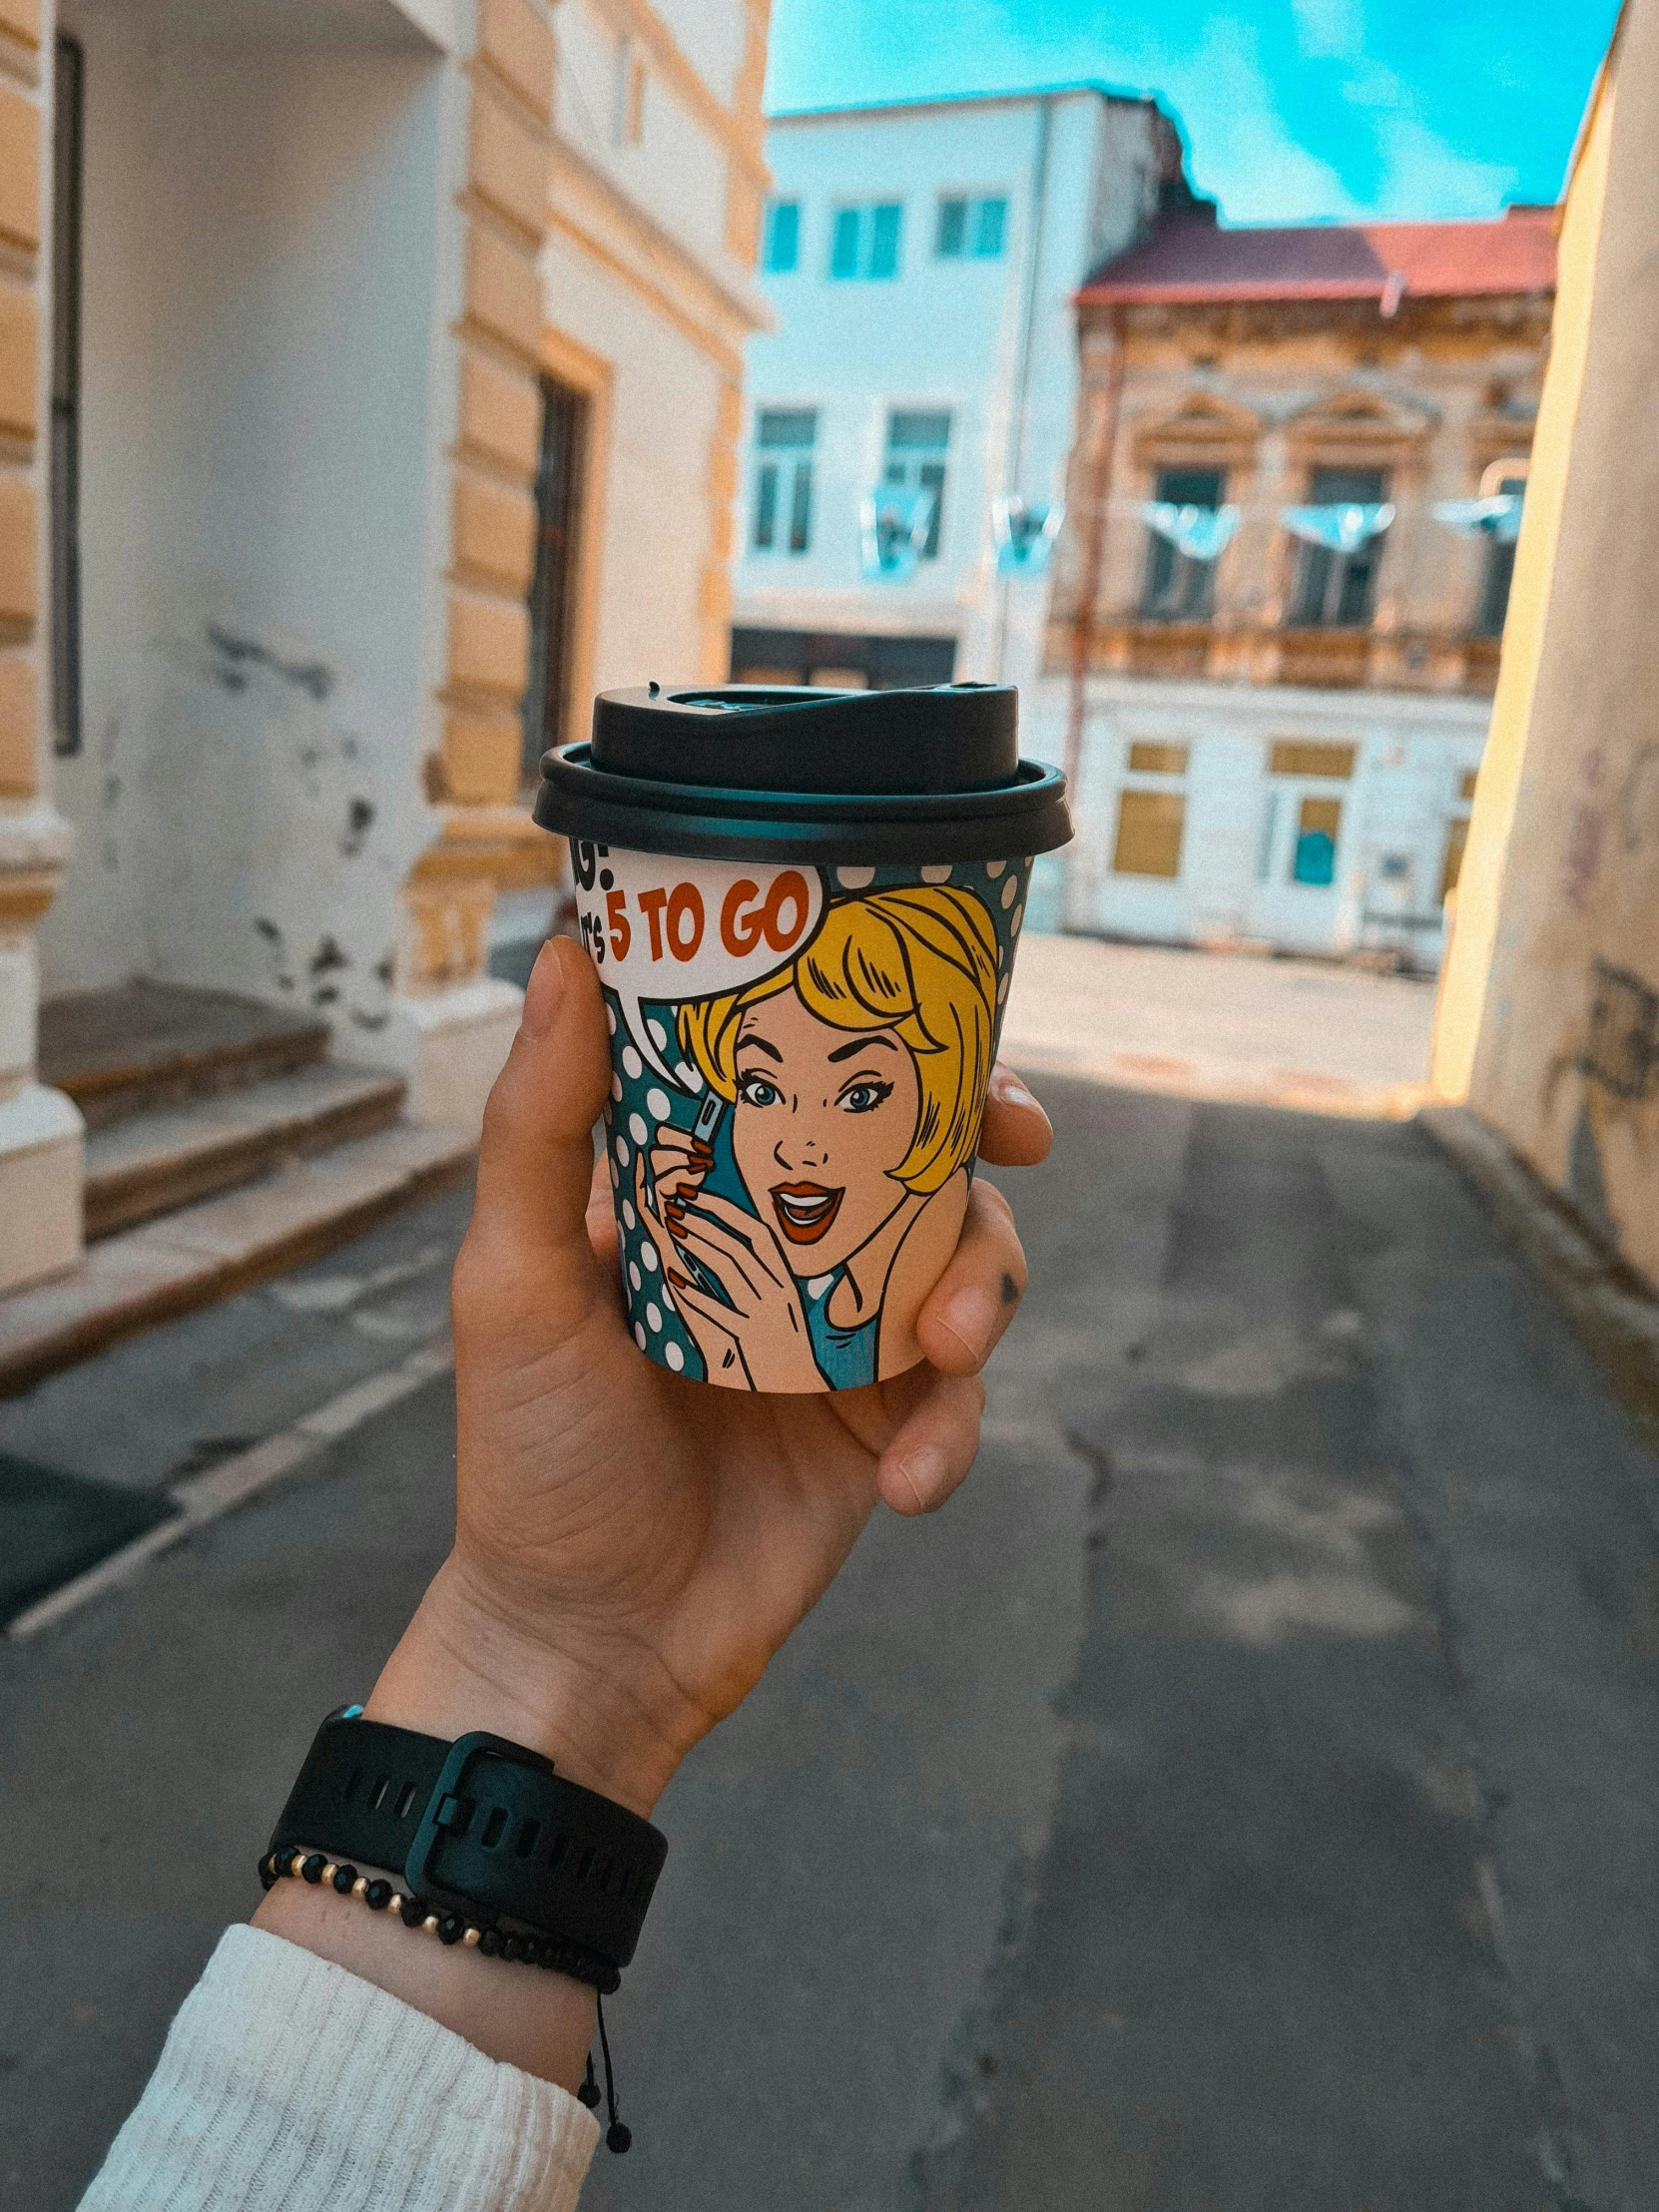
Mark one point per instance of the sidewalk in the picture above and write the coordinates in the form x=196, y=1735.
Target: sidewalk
x=1220, y=1025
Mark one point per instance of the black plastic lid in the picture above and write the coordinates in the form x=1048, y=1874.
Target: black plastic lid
x=748, y=771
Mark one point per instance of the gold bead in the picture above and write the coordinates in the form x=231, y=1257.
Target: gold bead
x=471, y=1934
x=328, y=1874
x=360, y=1887
x=394, y=1903
x=429, y=1926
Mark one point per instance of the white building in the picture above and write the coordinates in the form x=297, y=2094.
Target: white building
x=921, y=259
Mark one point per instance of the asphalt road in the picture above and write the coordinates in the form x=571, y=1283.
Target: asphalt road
x=1243, y=1797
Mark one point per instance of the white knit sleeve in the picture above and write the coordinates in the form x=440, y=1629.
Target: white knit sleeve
x=287, y=2084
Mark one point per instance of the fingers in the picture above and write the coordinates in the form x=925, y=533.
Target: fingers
x=535, y=1161
x=978, y=1294
x=755, y=1239
x=1016, y=1132
x=935, y=1447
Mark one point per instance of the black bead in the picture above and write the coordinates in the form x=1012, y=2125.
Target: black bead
x=312, y=1871
x=378, y=1896
x=534, y=1948
x=286, y=1861
x=512, y=1946
x=344, y=1878
x=491, y=1942
x=618, y=2138
x=451, y=1928
x=267, y=1873
x=413, y=1911
x=588, y=2095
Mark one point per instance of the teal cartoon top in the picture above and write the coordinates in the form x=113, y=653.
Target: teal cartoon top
x=847, y=1357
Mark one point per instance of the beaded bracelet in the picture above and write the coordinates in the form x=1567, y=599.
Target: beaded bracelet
x=491, y=1942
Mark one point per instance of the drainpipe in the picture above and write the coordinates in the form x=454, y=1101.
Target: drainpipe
x=1097, y=471
x=1027, y=338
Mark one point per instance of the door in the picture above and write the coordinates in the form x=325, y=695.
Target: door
x=1300, y=849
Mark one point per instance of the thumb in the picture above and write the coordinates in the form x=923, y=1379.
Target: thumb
x=535, y=1159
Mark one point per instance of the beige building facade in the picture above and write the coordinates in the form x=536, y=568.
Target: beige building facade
x=370, y=374
x=1549, y=1022
x=1277, y=742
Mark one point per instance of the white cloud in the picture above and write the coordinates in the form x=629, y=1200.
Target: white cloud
x=1241, y=150
x=1330, y=29
x=1425, y=179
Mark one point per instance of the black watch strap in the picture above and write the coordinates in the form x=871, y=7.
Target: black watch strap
x=480, y=1827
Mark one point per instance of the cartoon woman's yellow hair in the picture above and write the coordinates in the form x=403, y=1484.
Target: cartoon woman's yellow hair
x=919, y=962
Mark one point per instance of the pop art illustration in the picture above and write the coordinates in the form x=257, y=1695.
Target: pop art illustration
x=800, y=1059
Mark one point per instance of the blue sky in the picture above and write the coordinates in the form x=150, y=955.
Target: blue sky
x=1293, y=109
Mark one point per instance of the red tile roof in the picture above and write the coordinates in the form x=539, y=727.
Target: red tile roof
x=1189, y=263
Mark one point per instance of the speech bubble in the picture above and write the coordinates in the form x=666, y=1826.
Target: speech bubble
x=665, y=930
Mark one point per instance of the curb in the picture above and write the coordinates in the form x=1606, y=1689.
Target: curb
x=205, y=1497
x=1610, y=1308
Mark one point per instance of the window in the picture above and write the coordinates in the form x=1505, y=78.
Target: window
x=68, y=135
x=1500, y=572
x=864, y=241
x=782, y=237
x=975, y=227
x=916, y=445
x=1157, y=760
x=1313, y=855
x=851, y=660
x=1149, y=833
x=1290, y=757
x=560, y=478
x=1178, y=588
x=1340, y=589
x=784, y=438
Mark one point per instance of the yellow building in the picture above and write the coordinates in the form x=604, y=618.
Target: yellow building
x=1274, y=630
x=1550, y=1017
x=370, y=383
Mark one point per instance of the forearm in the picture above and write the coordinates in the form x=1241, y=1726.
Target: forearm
x=454, y=1671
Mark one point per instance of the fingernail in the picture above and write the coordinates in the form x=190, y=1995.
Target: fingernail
x=678, y=1281
x=971, y=1318
x=926, y=1474
x=1010, y=1091
x=542, y=993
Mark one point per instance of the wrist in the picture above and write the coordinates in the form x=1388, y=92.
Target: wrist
x=464, y=1664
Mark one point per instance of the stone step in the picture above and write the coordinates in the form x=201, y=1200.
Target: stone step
x=143, y=1045
x=146, y=1275
x=172, y=1156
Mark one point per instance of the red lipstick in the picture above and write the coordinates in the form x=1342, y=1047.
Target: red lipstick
x=805, y=1210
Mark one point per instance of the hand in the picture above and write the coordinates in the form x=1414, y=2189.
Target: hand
x=757, y=1340
x=631, y=1547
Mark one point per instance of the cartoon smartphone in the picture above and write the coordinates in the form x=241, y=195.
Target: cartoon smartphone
x=704, y=1131
x=707, y=1124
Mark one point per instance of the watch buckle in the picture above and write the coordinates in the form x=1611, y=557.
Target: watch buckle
x=430, y=1832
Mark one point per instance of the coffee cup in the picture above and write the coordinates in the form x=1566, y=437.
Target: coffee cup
x=803, y=906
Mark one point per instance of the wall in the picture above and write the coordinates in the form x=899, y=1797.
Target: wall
x=1567, y=1047
x=40, y=1130
x=260, y=281
x=1234, y=882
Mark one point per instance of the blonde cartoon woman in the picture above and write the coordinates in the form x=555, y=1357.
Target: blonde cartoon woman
x=854, y=1077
